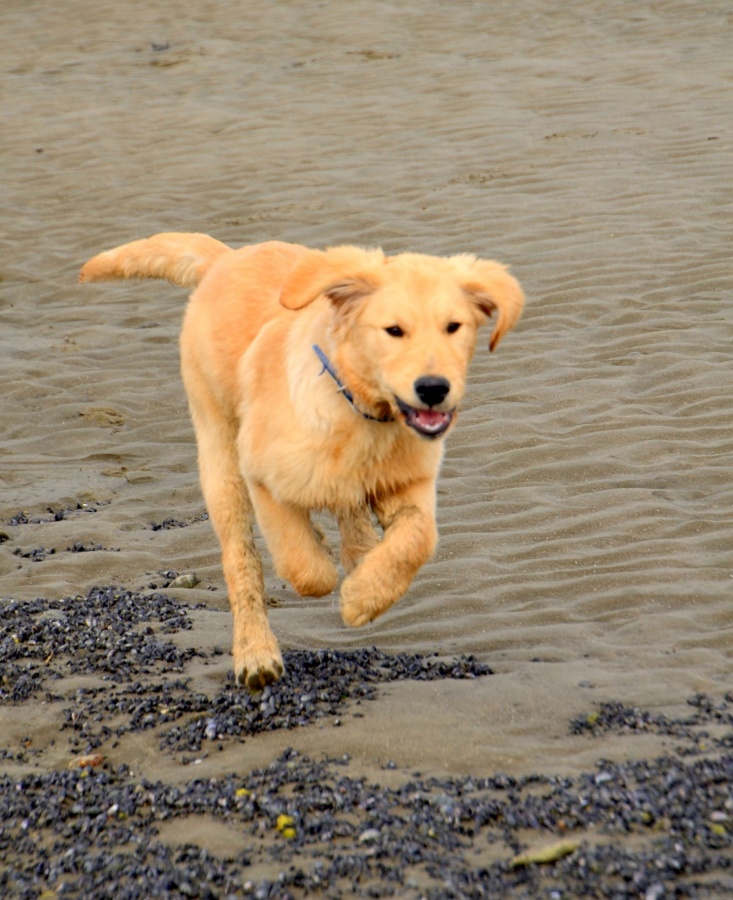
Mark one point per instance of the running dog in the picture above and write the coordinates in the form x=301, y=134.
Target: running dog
x=320, y=380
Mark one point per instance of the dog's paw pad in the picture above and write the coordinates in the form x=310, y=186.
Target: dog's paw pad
x=256, y=675
x=256, y=681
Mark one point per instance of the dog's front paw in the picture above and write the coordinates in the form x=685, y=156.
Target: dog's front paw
x=254, y=670
x=359, y=605
x=355, y=617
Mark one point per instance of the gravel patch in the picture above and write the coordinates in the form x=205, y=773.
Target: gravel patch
x=109, y=633
x=651, y=829
x=117, y=634
x=323, y=832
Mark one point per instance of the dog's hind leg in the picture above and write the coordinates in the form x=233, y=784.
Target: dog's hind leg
x=357, y=536
x=257, y=659
x=296, y=545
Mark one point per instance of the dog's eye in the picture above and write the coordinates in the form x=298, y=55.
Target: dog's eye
x=395, y=331
x=453, y=327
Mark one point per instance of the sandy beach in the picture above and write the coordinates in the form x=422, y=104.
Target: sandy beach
x=586, y=534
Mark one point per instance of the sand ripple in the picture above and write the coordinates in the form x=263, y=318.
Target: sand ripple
x=586, y=495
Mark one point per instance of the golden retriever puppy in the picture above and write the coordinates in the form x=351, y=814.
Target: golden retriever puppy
x=320, y=380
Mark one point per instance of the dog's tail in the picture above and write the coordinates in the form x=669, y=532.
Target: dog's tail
x=182, y=259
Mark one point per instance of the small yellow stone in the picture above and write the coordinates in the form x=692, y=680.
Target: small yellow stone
x=283, y=822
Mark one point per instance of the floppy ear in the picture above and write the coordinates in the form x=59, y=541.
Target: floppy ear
x=491, y=288
x=340, y=273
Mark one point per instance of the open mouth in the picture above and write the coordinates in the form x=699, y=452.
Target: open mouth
x=427, y=422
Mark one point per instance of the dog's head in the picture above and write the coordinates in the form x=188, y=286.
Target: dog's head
x=403, y=328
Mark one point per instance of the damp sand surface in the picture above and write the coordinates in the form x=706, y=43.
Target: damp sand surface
x=584, y=502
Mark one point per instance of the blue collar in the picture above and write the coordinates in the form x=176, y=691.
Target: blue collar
x=342, y=389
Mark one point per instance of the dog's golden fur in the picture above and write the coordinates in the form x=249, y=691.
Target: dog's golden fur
x=277, y=438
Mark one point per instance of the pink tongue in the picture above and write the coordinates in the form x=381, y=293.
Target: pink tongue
x=429, y=418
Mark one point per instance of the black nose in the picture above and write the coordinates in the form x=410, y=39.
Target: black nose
x=431, y=390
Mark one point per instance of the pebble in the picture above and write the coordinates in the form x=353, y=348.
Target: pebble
x=187, y=580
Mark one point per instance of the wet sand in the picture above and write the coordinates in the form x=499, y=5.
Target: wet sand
x=584, y=505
